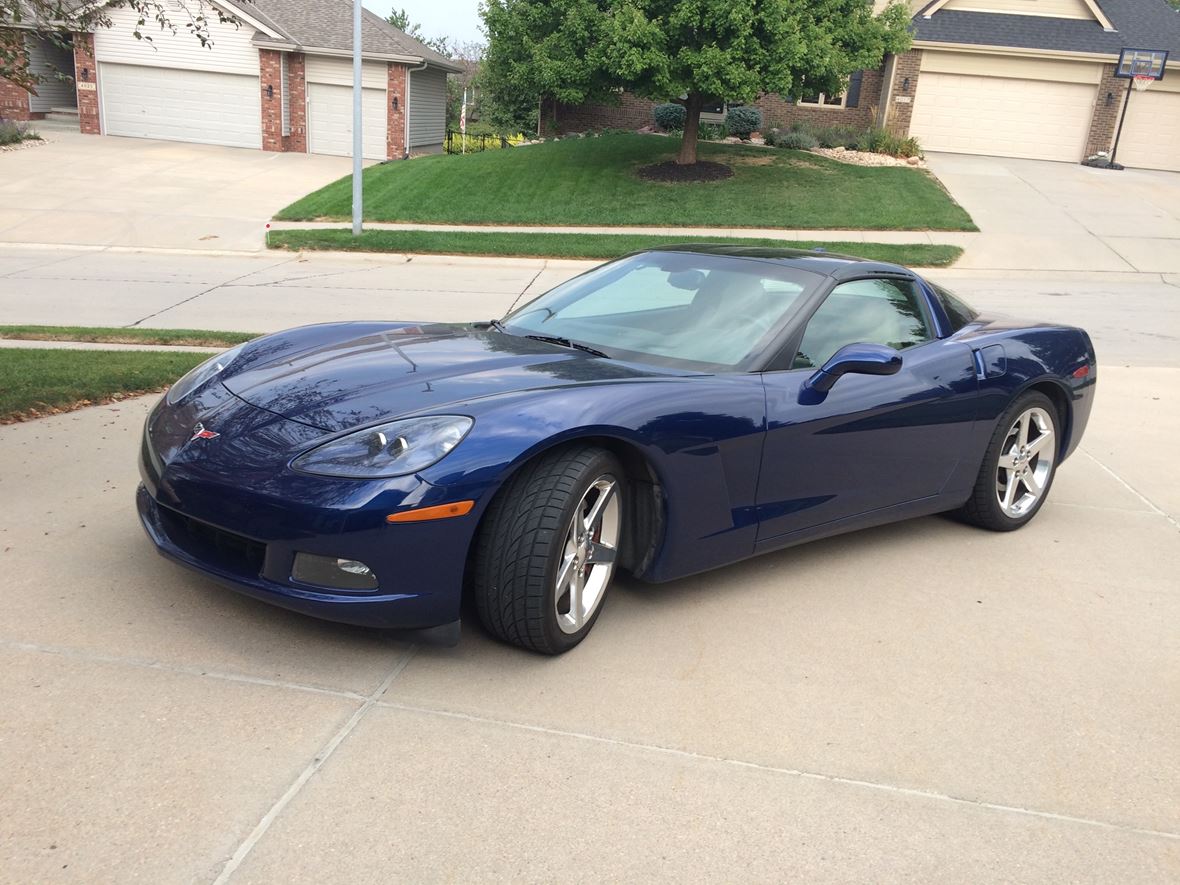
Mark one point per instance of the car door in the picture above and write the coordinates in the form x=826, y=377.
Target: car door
x=872, y=441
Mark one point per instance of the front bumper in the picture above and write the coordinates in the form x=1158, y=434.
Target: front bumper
x=243, y=526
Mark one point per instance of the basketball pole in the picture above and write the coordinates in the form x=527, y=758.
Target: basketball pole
x=1119, y=132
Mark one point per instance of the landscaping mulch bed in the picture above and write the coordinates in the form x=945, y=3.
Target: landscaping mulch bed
x=671, y=171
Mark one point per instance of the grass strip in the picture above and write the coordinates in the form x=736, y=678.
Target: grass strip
x=35, y=383
x=584, y=246
x=112, y=335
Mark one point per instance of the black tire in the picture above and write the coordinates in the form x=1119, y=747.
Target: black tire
x=984, y=508
x=521, y=545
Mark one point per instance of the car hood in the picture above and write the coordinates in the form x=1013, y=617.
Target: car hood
x=354, y=375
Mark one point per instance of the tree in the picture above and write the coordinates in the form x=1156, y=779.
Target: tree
x=400, y=19
x=57, y=19
x=691, y=50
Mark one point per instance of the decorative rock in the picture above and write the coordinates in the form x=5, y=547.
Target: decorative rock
x=913, y=161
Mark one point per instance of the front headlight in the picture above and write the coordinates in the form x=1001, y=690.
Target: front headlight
x=211, y=368
x=387, y=450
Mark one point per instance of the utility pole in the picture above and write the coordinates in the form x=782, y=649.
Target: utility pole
x=357, y=119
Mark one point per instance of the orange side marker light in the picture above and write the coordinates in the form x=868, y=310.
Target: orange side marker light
x=442, y=511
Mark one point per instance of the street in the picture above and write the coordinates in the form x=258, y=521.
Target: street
x=920, y=701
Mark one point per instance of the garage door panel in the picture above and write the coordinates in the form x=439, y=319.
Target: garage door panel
x=329, y=121
x=1151, y=132
x=1002, y=116
x=180, y=105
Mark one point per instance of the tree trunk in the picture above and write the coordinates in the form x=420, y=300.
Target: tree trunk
x=692, y=128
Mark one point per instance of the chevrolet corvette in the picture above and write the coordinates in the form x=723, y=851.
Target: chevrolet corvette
x=663, y=414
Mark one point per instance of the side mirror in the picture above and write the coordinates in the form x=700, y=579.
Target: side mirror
x=851, y=359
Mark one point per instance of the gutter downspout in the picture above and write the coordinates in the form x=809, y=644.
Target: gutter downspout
x=425, y=64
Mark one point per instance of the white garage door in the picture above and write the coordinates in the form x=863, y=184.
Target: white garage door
x=1151, y=133
x=329, y=121
x=199, y=106
x=1002, y=117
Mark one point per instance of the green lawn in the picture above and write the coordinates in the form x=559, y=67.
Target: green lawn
x=593, y=246
x=109, y=335
x=592, y=181
x=36, y=382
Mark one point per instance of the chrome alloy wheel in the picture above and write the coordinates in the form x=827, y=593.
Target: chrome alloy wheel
x=1025, y=463
x=588, y=560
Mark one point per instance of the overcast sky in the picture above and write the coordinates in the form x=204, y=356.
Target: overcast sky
x=457, y=19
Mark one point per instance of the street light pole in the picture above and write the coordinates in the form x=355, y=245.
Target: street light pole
x=357, y=117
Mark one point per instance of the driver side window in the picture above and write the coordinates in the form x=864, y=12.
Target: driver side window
x=864, y=312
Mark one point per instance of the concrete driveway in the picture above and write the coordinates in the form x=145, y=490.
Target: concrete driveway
x=1034, y=214
x=133, y=192
x=920, y=702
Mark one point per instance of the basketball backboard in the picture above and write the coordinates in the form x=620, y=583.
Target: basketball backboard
x=1142, y=63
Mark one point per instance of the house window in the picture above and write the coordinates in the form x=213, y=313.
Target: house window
x=823, y=101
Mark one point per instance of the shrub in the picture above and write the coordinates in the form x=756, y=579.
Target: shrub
x=670, y=117
x=796, y=140
x=712, y=131
x=910, y=148
x=837, y=136
x=741, y=121
x=11, y=132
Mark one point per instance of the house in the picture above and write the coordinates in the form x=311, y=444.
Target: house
x=279, y=80
x=1013, y=78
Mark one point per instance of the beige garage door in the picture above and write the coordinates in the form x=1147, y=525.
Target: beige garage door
x=329, y=121
x=1002, y=117
x=1151, y=134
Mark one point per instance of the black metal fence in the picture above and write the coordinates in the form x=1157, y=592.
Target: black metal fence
x=473, y=144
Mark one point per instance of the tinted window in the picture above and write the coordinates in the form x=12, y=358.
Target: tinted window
x=959, y=312
x=864, y=312
x=705, y=311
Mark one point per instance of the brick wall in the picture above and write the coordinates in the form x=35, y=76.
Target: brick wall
x=85, y=76
x=270, y=68
x=14, y=100
x=297, y=84
x=1106, y=116
x=395, y=141
x=901, y=110
x=633, y=112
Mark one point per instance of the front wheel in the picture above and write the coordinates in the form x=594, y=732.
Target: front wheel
x=546, y=553
x=1018, y=468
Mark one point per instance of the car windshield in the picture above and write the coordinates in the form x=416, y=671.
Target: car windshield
x=688, y=309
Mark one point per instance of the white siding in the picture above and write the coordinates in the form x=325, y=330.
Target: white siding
x=231, y=52
x=285, y=81
x=428, y=107
x=175, y=105
x=338, y=71
x=49, y=62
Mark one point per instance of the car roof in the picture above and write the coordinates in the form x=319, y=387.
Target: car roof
x=831, y=264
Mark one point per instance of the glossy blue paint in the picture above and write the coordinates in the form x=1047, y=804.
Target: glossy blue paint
x=733, y=464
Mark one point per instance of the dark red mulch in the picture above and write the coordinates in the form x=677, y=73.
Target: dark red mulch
x=673, y=172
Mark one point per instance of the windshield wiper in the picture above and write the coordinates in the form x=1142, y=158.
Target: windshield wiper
x=498, y=326
x=565, y=342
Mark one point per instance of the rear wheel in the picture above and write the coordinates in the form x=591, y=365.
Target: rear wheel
x=1018, y=468
x=546, y=552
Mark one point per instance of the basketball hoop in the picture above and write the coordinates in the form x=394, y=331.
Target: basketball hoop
x=1141, y=82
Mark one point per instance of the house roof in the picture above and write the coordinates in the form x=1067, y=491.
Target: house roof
x=327, y=24
x=1143, y=24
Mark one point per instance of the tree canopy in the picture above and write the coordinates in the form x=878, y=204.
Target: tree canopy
x=400, y=19
x=56, y=19
x=689, y=50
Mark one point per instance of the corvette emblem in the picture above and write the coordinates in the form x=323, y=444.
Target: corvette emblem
x=199, y=432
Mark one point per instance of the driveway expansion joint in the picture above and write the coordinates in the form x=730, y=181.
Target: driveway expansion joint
x=788, y=772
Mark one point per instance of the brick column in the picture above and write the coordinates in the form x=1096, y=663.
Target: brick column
x=14, y=100
x=297, y=84
x=270, y=81
x=395, y=142
x=86, y=80
x=1105, y=119
x=901, y=108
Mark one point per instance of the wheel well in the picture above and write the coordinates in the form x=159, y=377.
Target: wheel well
x=643, y=528
x=1060, y=400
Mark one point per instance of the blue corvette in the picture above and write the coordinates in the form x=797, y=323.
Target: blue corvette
x=666, y=413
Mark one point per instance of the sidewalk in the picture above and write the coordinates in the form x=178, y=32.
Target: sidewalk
x=949, y=238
